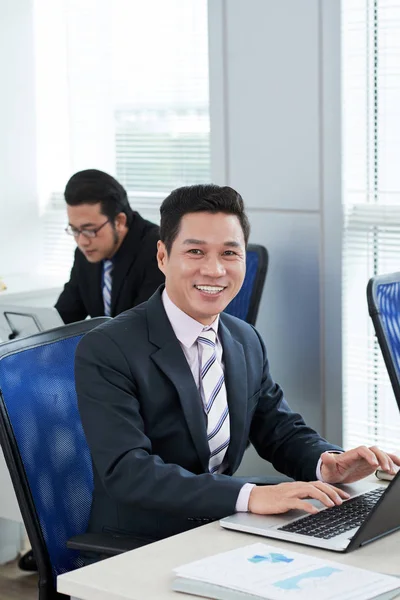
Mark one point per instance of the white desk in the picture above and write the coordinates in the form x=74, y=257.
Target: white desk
x=29, y=290
x=146, y=573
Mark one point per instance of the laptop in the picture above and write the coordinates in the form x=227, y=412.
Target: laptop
x=22, y=321
x=371, y=512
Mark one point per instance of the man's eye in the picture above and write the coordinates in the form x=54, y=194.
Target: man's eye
x=229, y=253
x=195, y=251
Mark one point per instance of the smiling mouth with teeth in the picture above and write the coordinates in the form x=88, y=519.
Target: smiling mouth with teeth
x=210, y=289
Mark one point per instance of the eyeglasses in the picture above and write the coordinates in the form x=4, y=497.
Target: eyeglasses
x=87, y=233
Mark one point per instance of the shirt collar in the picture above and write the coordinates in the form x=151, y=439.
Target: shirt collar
x=186, y=329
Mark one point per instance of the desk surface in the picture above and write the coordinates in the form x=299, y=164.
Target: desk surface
x=147, y=572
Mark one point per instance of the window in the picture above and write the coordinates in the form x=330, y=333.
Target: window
x=371, y=244
x=122, y=86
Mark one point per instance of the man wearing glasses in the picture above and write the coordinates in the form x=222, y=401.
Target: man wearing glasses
x=115, y=265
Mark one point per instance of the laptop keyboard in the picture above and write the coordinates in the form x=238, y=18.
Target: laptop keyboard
x=336, y=520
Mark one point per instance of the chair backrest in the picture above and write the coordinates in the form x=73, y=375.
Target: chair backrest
x=383, y=295
x=44, y=445
x=245, y=305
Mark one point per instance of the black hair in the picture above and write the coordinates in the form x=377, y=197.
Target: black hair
x=199, y=198
x=92, y=187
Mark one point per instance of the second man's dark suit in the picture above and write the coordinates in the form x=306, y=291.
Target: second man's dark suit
x=145, y=426
x=135, y=276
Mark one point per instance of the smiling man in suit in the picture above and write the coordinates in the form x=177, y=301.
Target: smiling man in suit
x=171, y=392
x=115, y=267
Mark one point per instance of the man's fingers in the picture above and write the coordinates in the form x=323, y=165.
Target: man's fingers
x=395, y=459
x=395, y=463
x=306, y=506
x=385, y=461
x=336, y=490
x=367, y=454
x=392, y=469
x=328, y=495
x=278, y=499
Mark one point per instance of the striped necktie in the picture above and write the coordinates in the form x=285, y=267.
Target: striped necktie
x=107, y=285
x=212, y=383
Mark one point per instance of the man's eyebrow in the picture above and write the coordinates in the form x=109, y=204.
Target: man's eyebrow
x=233, y=244
x=190, y=241
x=83, y=226
x=229, y=243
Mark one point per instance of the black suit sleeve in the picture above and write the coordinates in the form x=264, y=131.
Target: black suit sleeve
x=110, y=410
x=281, y=436
x=70, y=304
x=152, y=276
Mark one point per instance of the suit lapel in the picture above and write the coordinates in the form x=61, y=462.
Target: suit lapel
x=93, y=282
x=236, y=391
x=125, y=257
x=171, y=360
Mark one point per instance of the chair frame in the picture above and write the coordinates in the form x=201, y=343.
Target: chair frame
x=375, y=314
x=14, y=462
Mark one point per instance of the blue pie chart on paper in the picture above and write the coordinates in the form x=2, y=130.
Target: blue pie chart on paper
x=294, y=583
x=272, y=557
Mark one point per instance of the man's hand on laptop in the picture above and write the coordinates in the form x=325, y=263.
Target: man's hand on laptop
x=356, y=464
x=276, y=499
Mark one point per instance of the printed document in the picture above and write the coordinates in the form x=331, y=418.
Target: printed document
x=267, y=572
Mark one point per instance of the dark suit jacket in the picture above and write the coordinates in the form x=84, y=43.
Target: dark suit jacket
x=145, y=426
x=136, y=276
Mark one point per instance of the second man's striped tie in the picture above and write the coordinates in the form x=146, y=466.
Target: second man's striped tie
x=107, y=286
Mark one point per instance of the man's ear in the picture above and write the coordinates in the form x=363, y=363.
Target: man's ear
x=120, y=221
x=161, y=256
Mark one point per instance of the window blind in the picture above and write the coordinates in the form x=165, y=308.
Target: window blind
x=155, y=72
x=371, y=195
x=162, y=121
x=158, y=149
x=58, y=247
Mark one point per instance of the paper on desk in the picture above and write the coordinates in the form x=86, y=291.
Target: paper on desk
x=268, y=572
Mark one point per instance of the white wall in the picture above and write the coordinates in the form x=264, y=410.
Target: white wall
x=18, y=204
x=275, y=124
x=41, y=92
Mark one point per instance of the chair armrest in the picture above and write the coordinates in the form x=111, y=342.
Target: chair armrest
x=103, y=544
x=269, y=479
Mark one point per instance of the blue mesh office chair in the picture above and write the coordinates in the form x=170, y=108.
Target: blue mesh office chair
x=383, y=295
x=46, y=451
x=245, y=305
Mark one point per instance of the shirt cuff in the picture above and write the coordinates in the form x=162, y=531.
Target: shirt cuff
x=319, y=465
x=242, y=502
